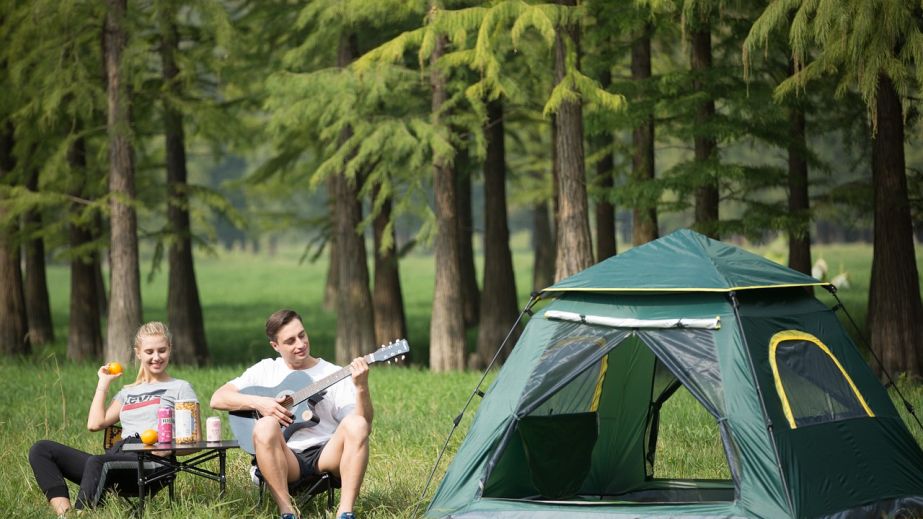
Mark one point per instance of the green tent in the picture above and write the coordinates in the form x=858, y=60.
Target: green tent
x=570, y=425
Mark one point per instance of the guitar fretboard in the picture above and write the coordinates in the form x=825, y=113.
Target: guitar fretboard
x=324, y=383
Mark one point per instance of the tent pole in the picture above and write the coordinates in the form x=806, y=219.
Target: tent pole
x=769, y=426
x=477, y=389
x=865, y=342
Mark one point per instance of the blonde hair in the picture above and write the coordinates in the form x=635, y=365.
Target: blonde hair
x=151, y=329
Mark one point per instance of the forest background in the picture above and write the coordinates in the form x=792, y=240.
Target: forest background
x=416, y=169
x=135, y=133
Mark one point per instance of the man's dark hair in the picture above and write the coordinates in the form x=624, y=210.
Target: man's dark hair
x=279, y=319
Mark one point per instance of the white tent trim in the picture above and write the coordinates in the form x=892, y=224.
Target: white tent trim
x=618, y=322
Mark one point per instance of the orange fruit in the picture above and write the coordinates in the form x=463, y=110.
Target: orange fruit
x=114, y=368
x=149, y=437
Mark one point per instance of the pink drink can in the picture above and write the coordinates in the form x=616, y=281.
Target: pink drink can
x=213, y=429
x=165, y=425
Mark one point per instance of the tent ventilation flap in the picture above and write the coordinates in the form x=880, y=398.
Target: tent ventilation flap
x=617, y=322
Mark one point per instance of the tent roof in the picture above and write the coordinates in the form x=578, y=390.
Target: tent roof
x=684, y=261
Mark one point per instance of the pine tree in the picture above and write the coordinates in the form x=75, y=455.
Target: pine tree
x=14, y=336
x=643, y=168
x=872, y=46
x=499, y=308
x=184, y=309
x=355, y=317
x=447, y=330
x=125, y=287
x=84, y=335
x=38, y=307
x=575, y=248
x=387, y=299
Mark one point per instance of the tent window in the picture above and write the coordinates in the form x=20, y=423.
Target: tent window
x=812, y=384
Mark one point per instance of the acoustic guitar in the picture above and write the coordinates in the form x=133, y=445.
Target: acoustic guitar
x=301, y=395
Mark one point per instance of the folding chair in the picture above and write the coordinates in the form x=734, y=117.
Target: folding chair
x=121, y=477
x=323, y=482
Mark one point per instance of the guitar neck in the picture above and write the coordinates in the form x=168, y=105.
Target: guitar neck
x=324, y=383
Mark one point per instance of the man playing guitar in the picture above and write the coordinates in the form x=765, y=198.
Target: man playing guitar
x=337, y=443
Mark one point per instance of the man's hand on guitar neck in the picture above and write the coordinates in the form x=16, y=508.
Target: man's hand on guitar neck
x=268, y=406
x=359, y=368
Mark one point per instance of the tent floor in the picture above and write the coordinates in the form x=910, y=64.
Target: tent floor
x=660, y=491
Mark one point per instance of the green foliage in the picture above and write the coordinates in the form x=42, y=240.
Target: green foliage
x=854, y=41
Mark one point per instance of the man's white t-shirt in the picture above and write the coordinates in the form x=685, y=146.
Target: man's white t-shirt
x=339, y=399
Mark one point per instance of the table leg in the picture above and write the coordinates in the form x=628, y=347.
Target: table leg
x=141, y=489
x=222, y=454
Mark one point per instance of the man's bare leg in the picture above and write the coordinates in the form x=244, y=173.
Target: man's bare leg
x=276, y=461
x=346, y=455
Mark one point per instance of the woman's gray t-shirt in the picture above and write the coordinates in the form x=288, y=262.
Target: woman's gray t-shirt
x=140, y=403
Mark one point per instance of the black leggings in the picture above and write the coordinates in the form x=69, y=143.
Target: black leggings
x=53, y=462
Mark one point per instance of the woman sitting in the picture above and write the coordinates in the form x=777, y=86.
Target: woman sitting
x=135, y=406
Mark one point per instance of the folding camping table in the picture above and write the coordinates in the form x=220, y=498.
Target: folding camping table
x=200, y=452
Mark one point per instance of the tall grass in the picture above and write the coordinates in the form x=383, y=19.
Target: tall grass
x=46, y=396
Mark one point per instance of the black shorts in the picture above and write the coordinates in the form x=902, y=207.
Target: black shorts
x=307, y=466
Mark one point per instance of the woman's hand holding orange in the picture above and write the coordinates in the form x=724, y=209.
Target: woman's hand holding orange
x=106, y=374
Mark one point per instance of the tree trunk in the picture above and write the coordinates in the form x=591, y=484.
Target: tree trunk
x=499, y=309
x=605, y=171
x=799, y=239
x=14, y=327
x=330, y=287
x=355, y=316
x=470, y=294
x=447, y=327
x=895, y=310
x=102, y=292
x=390, y=322
x=84, y=331
x=706, y=194
x=184, y=310
x=125, y=276
x=644, y=212
x=574, y=246
x=543, y=247
x=38, y=309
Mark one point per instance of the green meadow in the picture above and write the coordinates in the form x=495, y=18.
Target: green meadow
x=46, y=396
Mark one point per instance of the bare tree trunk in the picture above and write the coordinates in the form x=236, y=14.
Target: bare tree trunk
x=555, y=180
x=895, y=309
x=470, y=294
x=799, y=240
x=125, y=288
x=330, y=287
x=644, y=213
x=38, y=308
x=499, y=308
x=390, y=322
x=574, y=246
x=84, y=330
x=97, y=231
x=447, y=327
x=14, y=327
x=355, y=316
x=706, y=195
x=543, y=247
x=184, y=310
x=605, y=171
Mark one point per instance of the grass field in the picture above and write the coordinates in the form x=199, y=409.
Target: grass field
x=46, y=396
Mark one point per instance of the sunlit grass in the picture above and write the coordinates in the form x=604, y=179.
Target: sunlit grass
x=47, y=397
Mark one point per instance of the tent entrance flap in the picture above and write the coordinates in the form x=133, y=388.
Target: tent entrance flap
x=588, y=406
